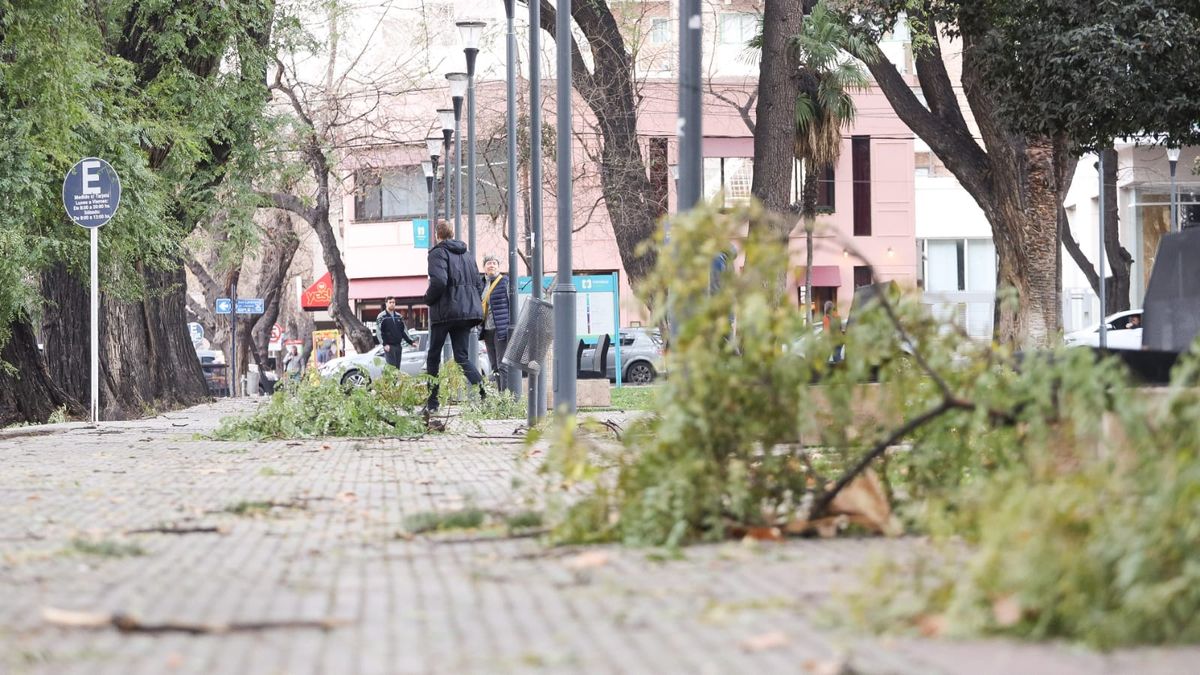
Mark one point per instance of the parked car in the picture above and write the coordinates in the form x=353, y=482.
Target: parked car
x=1121, y=335
x=361, y=369
x=641, y=356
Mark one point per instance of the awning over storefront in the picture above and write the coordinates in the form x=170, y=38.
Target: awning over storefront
x=829, y=276
x=377, y=289
x=318, y=295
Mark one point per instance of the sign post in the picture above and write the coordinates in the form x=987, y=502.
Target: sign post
x=91, y=193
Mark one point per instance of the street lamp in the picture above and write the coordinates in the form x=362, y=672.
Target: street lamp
x=471, y=31
x=427, y=168
x=565, y=369
x=514, y=375
x=1173, y=159
x=434, y=145
x=458, y=91
x=446, y=117
x=537, y=384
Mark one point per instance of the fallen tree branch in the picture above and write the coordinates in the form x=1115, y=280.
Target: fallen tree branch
x=180, y=529
x=126, y=623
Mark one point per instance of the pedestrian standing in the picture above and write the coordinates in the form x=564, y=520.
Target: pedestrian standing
x=496, y=316
x=393, y=333
x=455, y=306
x=292, y=363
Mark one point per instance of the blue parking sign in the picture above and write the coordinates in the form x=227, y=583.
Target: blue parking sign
x=91, y=192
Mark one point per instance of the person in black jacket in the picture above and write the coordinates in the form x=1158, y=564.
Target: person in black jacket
x=393, y=333
x=496, y=317
x=455, y=305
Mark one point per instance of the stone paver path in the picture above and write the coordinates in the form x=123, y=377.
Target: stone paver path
x=315, y=531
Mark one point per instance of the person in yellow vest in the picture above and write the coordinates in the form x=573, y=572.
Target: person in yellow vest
x=497, y=316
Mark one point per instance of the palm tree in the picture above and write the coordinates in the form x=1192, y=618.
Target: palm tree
x=824, y=107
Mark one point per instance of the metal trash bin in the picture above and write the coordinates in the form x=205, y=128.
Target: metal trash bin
x=252, y=376
x=529, y=341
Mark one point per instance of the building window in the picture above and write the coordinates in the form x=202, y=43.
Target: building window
x=660, y=31
x=860, y=162
x=862, y=276
x=736, y=29
x=733, y=175
x=825, y=190
x=391, y=194
x=960, y=274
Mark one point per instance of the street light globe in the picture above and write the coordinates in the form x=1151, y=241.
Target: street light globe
x=1173, y=154
x=470, y=32
x=675, y=171
x=434, y=145
x=458, y=84
x=427, y=168
x=446, y=115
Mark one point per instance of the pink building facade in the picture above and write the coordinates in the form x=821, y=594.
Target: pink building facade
x=867, y=199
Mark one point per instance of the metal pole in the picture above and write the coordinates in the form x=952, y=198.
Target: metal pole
x=433, y=200
x=473, y=343
x=537, y=393
x=233, y=360
x=1103, y=273
x=95, y=327
x=1174, y=202
x=514, y=375
x=447, y=136
x=565, y=369
x=458, y=202
x=690, y=121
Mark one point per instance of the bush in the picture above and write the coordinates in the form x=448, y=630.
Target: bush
x=324, y=407
x=1065, y=501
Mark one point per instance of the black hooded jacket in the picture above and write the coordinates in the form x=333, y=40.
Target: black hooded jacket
x=455, y=285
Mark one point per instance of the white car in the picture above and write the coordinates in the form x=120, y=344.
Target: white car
x=361, y=369
x=1121, y=334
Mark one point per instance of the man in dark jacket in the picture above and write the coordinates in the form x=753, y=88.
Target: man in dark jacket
x=496, y=317
x=455, y=305
x=393, y=333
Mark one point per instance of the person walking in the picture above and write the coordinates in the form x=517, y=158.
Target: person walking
x=393, y=333
x=496, y=316
x=455, y=301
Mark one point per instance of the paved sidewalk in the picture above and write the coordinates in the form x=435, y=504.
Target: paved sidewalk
x=330, y=550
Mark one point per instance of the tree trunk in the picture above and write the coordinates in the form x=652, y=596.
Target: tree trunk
x=808, y=209
x=1024, y=218
x=279, y=250
x=775, y=115
x=609, y=93
x=29, y=393
x=147, y=361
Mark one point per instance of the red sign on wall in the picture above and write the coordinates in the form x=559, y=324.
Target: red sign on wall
x=319, y=294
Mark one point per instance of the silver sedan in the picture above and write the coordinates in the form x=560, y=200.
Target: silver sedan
x=361, y=369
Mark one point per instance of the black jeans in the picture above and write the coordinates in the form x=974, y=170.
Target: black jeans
x=496, y=349
x=392, y=354
x=460, y=337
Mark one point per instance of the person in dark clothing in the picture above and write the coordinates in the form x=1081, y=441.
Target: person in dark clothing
x=455, y=305
x=393, y=333
x=496, y=316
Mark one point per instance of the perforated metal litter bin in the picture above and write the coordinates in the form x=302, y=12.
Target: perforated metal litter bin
x=532, y=337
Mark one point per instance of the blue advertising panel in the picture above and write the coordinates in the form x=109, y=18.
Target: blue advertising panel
x=421, y=233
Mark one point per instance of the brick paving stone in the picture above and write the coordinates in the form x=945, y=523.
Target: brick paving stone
x=331, y=549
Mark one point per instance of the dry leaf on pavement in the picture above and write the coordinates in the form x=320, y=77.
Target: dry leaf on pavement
x=931, y=625
x=764, y=534
x=772, y=640
x=1007, y=611
x=864, y=499
x=588, y=560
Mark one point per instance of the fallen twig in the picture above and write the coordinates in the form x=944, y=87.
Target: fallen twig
x=126, y=623
x=180, y=529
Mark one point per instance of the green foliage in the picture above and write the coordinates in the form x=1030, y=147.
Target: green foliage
x=105, y=548
x=635, y=398
x=323, y=407
x=499, y=405
x=440, y=521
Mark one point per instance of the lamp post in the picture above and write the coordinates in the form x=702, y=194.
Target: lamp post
x=565, y=369
x=675, y=179
x=470, y=31
x=690, y=119
x=434, y=145
x=514, y=375
x=1173, y=160
x=1103, y=256
x=427, y=168
x=458, y=91
x=446, y=117
x=537, y=385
